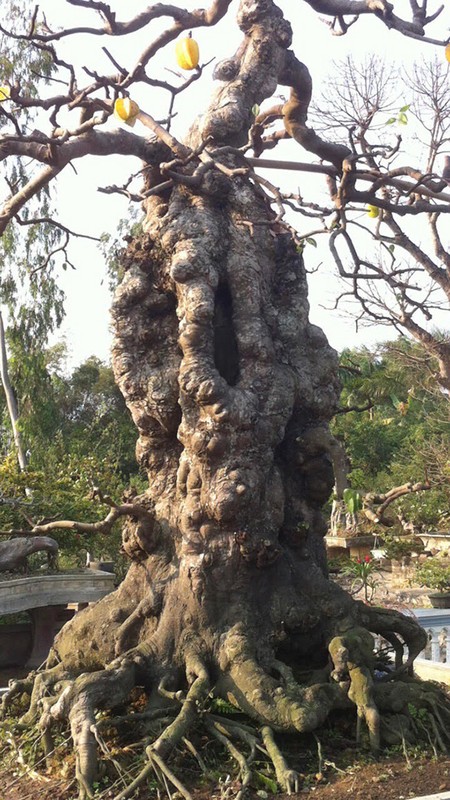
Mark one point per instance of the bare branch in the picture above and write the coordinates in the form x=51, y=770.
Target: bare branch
x=94, y=143
x=112, y=27
x=56, y=224
x=134, y=510
x=296, y=166
x=383, y=501
x=384, y=11
x=295, y=114
x=183, y=21
x=439, y=248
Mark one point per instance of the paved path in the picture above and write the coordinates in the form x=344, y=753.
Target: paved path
x=439, y=796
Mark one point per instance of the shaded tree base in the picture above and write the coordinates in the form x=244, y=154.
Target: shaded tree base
x=227, y=754
x=189, y=658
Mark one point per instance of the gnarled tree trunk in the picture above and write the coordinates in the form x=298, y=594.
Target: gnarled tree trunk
x=231, y=389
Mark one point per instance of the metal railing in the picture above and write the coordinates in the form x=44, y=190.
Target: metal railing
x=438, y=647
x=436, y=623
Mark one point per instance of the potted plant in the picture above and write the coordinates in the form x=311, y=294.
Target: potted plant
x=435, y=574
x=400, y=548
x=362, y=571
x=104, y=564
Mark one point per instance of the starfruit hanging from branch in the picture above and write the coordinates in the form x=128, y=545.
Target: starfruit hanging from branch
x=126, y=110
x=372, y=211
x=187, y=53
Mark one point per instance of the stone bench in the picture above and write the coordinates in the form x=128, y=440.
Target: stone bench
x=45, y=597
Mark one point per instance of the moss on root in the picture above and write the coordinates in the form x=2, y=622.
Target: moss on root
x=179, y=675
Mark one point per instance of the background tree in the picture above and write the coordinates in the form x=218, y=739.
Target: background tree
x=82, y=444
x=393, y=261
x=10, y=399
x=231, y=389
x=394, y=428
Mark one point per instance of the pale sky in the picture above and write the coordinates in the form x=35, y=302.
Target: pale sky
x=82, y=208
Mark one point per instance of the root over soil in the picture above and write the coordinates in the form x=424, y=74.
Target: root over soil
x=254, y=656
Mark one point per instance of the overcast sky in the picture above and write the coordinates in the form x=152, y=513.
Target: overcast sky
x=81, y=206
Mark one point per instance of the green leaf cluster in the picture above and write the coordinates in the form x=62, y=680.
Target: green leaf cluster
x=353, y=500
x=79, y=435
x=403, y=432
x=396, y=547
x=401, y=118
x=434, y=573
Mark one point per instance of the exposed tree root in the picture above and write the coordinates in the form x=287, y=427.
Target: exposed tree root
x=353, y=659
x=196, y=696
x=231, y=389
x=156, y=759
x=252, y=666
x=253, y=657
x=38, y=685
x=219, y=733
x=273, y=693
x=388, y=621
x=136, y=783
x=288, y=779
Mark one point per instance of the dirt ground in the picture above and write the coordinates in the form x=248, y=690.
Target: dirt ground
x=391, y=778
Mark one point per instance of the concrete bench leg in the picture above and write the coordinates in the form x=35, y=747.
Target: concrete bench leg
x=44, y=629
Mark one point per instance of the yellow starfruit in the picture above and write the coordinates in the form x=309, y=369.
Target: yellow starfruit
x=187, y=53
x=372, y=211
x=5, y=93
x=126, y=110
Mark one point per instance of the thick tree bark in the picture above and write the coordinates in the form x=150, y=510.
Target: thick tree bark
x=231, y=389
x=230, y=386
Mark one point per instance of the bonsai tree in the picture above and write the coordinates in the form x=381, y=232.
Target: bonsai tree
x=434, y=573
x=398, y=547
x=231, y=389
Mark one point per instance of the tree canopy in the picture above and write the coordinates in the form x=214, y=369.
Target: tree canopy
x=57, y=108
x=80, y=442
x=394, y=424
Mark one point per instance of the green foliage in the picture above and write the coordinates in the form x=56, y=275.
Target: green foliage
x=418, y=714
x=337, y=564
x=363, y=572
x=401, y=434
x=265, y=782
x=80, y=436
x=353, y=500
x=29, y=251
x=401, y=118
x=22, y=63
x=434, y=573
x=221, y=706
x=398, y=547
x=112, y=247
x=306, y=240
x=61, y=488
x=372, y=443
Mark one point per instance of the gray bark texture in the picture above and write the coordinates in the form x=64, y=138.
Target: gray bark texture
x=231, y=389
x=14, y=552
